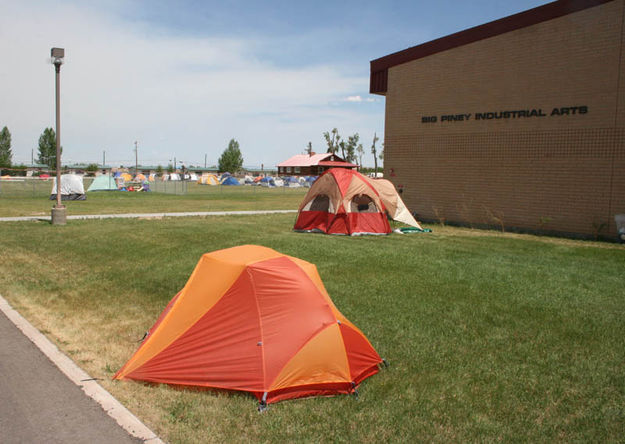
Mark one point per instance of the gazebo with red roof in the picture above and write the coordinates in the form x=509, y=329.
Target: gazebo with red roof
x=312, y=164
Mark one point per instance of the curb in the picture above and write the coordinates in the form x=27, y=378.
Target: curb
x=129, y=422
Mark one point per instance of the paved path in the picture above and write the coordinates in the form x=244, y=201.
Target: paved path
x=40, y=404
x=147, y=215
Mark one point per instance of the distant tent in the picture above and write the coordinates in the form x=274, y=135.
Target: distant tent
x=127, y=177
x=292, y=182
x=72, y=188
x=229, y=180
x=278, y=182
x=249, y=180
x=174, y=176
x=254, y=320
x=104, y=182
x=140, y=178
x=208, y=179
x=267, y=182
x=193, y=177
x=152, y=177
x=308, y=181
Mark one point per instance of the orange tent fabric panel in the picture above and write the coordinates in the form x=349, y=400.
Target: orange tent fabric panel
x=360, y=354
x=291, y=310
x=209, y=354
x=310, y=365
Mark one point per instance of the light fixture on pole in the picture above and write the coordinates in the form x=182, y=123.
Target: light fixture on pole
x=59, y=216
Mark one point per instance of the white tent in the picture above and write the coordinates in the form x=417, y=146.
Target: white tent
x=72, y=188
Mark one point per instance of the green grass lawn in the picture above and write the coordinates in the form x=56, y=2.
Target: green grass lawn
x=489, y=336
x=28, y=199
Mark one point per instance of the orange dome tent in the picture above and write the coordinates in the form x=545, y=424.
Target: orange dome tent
x=254, y=320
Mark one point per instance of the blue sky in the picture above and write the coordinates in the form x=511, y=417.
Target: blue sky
x=184, y=77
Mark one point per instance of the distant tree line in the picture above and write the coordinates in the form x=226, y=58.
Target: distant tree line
x=46, y=151
x=5, y=148
x=351, y=149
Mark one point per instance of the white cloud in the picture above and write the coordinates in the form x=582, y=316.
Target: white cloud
x=359, y=99
x=353, y=99
x=178, y=96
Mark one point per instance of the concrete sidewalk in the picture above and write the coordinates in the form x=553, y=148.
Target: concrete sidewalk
x=42, y=401
x=147, y=215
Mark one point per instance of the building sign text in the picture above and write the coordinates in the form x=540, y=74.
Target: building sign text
x=513, y=114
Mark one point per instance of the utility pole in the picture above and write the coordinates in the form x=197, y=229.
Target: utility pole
x=58, y=216
x=103, y=159
x=136, y=159
x=205, y=157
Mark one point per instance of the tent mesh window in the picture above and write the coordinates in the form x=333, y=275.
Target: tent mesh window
x=362, y=203
x=321, y=202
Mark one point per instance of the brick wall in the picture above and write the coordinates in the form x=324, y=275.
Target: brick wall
x=554, y=173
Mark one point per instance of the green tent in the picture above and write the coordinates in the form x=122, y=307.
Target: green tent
x=104, y=182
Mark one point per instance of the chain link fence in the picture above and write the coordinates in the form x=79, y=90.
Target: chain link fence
x=36, y=187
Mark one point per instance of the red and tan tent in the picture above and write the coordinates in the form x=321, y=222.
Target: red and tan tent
x=254, y=320
x=343, y=201
x=395, y=206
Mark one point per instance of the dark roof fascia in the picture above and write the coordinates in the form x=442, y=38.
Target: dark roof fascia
x=379, y=67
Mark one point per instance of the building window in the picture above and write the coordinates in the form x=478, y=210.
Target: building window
x=288, y=169
x=296, y=170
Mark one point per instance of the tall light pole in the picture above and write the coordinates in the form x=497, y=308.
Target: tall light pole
x=59, y=216
x=136, y=159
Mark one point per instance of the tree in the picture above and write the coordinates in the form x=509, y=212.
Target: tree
x=333, y=140
x=5, y=148
x=374, y=152
x=360, y=150
x=231, y=159
x=309, y=149
x=350, y=148
x=47, y=148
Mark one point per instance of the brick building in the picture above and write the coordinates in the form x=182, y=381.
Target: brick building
x=517, y=123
